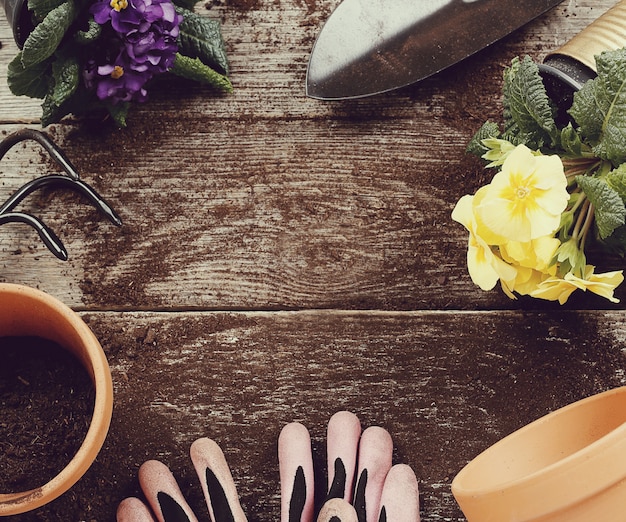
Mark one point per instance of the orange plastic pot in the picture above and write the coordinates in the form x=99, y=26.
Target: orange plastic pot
x=569, y=466
x=25, y=311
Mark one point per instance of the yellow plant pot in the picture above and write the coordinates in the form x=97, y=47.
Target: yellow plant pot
x=569, y=466
x=25, y=311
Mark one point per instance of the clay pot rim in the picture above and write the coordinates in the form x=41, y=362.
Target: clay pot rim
x=549, y=479
x=95, y=362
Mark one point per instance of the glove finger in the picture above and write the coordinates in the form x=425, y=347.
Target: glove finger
x=163, y=494
x=217, y=481
x=133, y=510
x=295, y=463
x=375, y=459
x=337, y=510
x=342, y=440
x=400, y=498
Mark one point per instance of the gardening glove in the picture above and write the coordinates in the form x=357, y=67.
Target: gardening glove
x=382, y=492
x=166, y=499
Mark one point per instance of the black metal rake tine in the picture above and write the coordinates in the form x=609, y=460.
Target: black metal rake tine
x=49, y=238
x=70, y=179
x=59, y=179
x=45, y=142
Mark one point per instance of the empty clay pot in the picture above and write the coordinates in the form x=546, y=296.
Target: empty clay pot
x=569, y=466
x=25, y=311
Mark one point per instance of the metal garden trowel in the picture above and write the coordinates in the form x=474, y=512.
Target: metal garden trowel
x=372, y=46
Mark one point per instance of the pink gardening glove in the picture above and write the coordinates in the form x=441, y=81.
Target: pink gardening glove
x=168, y=502
x=382, y=492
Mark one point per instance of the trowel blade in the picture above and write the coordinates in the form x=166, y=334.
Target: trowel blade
x=372, y=46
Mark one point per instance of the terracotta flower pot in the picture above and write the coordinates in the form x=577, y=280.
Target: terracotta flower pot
x=569, y=466
x=28, y=312
x=19, y=18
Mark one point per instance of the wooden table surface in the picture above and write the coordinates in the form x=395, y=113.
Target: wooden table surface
x=284, y=258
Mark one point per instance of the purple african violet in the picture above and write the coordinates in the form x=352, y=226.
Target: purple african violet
x=117, y=82
x=147, y=31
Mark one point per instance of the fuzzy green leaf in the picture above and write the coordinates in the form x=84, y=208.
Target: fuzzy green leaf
x=119, y=112
x=30, y=81
x=65, y=73
x=488, y=130
x=93, y=32
x=42, y=7
x=617, y=180
x=47, y=35
x=201, y=37
x=571, y=142
x=610, y=212
x=194, y=69
x=528, y=114
x=599, y=108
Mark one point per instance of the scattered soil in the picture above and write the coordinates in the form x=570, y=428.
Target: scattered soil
x=46, y=403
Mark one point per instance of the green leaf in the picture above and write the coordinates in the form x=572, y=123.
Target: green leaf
x=47, y=35
x=93, y=32
x=571, y=142
x=29, y=81
x=42, y=7
x=571, y=258
x=610, y=212
x=599, y=108
x=66, y=74
x=489, y=129
x=201, y=37
x=528, y=114
x=119, y=112
x=617, y=180
x=194, y=69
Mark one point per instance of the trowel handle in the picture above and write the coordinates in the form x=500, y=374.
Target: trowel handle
x=607, y=33
x=567, y=69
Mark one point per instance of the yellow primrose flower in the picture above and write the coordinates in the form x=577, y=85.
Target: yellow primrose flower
x=526, y=281
x=537, y=254
x=485, y=268
x=490, y=237
x=533, y=262
x=555, y=288
x=524, y=201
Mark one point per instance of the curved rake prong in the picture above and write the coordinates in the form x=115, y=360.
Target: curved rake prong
x=45, y=142
x=64, y=181
x=49, y=238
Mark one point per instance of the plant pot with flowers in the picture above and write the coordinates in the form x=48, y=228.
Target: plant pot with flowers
x=82, y=56
x=558, y=194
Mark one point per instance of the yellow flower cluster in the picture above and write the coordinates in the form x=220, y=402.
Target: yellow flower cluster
x=513, y=224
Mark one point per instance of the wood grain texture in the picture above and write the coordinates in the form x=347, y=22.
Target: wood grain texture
x=283, y=258
x=266, y=199
x=445, y=385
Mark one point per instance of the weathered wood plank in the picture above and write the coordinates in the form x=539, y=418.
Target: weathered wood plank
x=317, y=224
x=446, y=385
x=269, y=44
x=265, y=199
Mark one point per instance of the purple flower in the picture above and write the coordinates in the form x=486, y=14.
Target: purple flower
x=155, y=49
x=118, y=81
x=147, y=31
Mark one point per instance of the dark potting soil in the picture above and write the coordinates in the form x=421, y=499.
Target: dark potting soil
x=46, y=404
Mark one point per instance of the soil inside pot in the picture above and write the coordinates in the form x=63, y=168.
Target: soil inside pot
x=46, y=405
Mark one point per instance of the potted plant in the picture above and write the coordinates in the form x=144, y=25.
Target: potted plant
x=82, y=56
